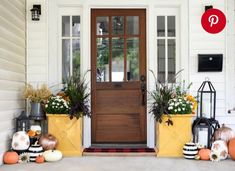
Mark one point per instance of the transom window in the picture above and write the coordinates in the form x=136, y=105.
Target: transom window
x=166, y=48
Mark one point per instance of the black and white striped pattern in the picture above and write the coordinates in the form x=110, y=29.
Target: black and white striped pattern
x=190, y=150
x=34, y=151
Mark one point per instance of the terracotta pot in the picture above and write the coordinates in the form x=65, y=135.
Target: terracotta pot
x=231, y=148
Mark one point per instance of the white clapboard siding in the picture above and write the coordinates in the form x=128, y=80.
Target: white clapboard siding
x=37, y=45
x=202, y=42
x=12, y=67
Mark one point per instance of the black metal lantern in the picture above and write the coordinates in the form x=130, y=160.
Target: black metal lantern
x=207, y=100
x=202, y=132
x=22, y=122
x=36, y=12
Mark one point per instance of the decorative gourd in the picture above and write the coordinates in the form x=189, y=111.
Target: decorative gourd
x=224, y=133
x=20, y=141
x=10, y=157
x=34, y=151
x=204, y=154
x=219, y=150
x=31, y=133
x=40, y=159
x=231, y=148
x=52, y=155
x=190, y=150
x=48, y=142
x=36, y=128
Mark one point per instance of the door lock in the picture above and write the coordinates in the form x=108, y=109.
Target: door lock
x=143, y=88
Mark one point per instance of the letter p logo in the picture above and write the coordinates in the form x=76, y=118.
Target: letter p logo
x=213, y=21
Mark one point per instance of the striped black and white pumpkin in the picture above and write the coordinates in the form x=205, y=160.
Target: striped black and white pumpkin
x=34, y=151
x=190, y=150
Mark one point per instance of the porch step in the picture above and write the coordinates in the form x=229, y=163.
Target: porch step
x=119, y=152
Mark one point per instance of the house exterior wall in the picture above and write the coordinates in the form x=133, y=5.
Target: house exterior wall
x=37, y=44
x=12, y=67
x=43, y=63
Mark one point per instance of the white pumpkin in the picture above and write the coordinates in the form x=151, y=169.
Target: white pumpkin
x=36, y=128
x=20, y=141
x=52, y=155
x=219, y=150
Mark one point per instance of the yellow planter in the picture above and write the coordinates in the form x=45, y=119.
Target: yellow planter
x=68, y=133
x=171, y=139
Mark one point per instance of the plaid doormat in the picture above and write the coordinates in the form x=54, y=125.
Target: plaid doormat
x=119, y=150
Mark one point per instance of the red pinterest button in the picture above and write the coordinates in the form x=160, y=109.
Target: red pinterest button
x=213, y=21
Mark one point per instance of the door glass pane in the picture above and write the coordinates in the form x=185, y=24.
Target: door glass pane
x=102, y=25
x=170, y=26
x=102, y=74
x=117, y=59
x=132, y=23
x=161, y=60
x=65, y=59
x=76, y=26
x=76, y=56
x=132, y=63
x=65, y=26
x=118, y=25
x=160, y=26
x=171, y=60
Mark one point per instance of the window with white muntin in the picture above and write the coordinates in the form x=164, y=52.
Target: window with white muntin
x=166, y=48
x=70, y=45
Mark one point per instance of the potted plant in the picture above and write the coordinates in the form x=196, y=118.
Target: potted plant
x=173, y=108
x=65, y=112
x=37, y=98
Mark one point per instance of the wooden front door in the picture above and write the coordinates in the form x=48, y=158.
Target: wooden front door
x=118, y=49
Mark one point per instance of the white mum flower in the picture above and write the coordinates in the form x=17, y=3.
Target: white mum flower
x=179, y=109
x=175, y=110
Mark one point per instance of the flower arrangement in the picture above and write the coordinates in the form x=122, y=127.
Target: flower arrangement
x=182, y=104
x=171, y=98
x=37, y=95
x=57, y=105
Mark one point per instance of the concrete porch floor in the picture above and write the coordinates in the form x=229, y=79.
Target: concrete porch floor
x=124, y=164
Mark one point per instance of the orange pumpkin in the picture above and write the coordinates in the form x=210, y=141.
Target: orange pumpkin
x=231, y=148
x=40, y=159
x=204, y=154
x=31, y=133
x=10, y=157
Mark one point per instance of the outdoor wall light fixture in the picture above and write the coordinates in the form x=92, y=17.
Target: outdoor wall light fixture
x=208, y=7
x=36, y=12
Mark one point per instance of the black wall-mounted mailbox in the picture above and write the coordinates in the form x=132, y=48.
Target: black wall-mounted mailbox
x=210, y=62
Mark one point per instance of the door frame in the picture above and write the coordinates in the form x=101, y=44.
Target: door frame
x=150, y=16
x=142, y=61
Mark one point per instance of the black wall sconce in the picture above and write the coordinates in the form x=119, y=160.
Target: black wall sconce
x=36, y=12
x=208, y=7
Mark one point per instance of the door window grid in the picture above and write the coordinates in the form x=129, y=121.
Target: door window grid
x=166, y=48
x=70, y=45
x=120, y=60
